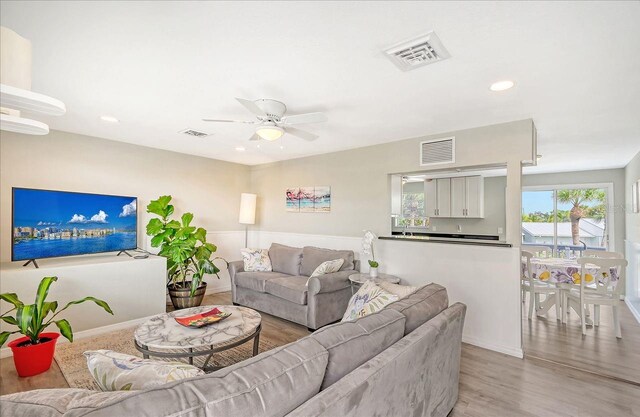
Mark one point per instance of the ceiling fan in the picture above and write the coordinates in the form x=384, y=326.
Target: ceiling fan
x=271, y=121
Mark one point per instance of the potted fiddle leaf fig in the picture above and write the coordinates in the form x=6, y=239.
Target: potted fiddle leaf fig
x=33, y=353
x=189, y=255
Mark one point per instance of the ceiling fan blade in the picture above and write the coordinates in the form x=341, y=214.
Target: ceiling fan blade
x=255, y=137
x=297, y=119
x=302, y=134
x=252, y=107
x=227, y=121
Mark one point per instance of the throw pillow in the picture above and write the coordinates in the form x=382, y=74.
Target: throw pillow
x=328, y=267
x=400, y=290
x=256, y=260
x=115, y=371
x=369, y=299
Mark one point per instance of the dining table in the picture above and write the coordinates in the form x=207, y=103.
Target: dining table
x=565, y=273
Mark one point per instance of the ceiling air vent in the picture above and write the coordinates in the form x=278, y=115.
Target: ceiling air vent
x=438, y=151
x=193, y=132
x=417, y=52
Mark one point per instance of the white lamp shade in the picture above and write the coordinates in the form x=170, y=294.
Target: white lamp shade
x=247, y=208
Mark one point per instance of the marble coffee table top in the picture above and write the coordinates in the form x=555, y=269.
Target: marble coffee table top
x=163, y=332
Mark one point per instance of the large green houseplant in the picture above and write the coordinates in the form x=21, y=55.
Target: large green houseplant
x=189, y=255
x=33, y=353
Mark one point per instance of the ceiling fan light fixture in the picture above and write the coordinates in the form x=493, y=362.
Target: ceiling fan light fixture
x=270, y=132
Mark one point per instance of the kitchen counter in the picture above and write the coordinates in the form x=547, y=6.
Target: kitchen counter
x=450, y=240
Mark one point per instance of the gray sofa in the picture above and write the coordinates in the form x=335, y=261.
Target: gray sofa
x=284, y=292
x=401, y=361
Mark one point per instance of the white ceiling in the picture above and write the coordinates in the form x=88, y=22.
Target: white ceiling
x=160, y=67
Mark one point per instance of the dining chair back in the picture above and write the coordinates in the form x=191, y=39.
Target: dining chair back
x=604, y=292
x=538, y=251
x=535, y=287
x=591, y=253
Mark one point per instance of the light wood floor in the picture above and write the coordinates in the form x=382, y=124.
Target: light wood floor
x=491, y=384
x=599, y=351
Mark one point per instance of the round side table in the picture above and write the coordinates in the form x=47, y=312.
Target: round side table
x=358, y=279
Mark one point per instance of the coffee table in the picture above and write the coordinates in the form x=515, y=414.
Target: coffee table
x=162, y=336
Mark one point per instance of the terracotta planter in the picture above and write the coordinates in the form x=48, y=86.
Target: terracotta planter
x=33, y=359
x=181, y=298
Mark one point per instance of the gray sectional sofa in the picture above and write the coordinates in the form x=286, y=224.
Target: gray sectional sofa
x=284, y=292
x=401, y=361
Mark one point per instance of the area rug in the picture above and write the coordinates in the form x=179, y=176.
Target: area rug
x=73, y=365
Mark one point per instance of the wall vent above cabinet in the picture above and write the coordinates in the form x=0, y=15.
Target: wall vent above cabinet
x=438, y=151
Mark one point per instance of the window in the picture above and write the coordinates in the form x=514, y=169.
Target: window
x=413, y=205
x=568, y=219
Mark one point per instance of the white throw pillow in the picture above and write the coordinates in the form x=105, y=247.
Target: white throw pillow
x=256, y=260
x=328, y=267
x=115, y=371
x=369, y=299
x=400, y=290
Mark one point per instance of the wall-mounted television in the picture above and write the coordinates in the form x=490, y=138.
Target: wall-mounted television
x=48, y=223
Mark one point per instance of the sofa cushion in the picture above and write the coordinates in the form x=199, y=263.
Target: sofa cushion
x=114, y=371
x=421, y=306
x=328, y=267
x=350, y=344
x=255, y=280
x=271, y=384
x=312, y=258
x=285, y=259
x=291, y=288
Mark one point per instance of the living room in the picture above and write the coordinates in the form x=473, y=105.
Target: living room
x=332, y=159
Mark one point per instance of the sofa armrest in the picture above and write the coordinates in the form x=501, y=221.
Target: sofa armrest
x=235, y=267
x=330, y=282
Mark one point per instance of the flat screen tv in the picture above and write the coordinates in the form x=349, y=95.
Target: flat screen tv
x=47, y=223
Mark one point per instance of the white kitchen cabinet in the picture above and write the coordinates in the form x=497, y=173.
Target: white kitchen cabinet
x=437, y=194
x=467, y=197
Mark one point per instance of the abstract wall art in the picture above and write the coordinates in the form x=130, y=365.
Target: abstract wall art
x=314, y=199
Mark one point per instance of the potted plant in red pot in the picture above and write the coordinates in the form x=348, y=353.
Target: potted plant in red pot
x=33, y=353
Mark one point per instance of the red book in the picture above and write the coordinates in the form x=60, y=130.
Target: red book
x=203, y=319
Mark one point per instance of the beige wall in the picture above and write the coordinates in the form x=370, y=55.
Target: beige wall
x=360, y=183
x=631, y=175
x=66, y=161
x=615, y=176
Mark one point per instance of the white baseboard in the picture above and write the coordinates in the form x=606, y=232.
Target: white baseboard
x=518, y=353
x=6, y=352
x=634, y=308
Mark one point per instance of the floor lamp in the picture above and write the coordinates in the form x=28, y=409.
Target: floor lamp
x=247, y=213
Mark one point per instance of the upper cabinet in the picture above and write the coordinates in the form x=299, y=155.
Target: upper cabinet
x=459, y=197
x=438, y=197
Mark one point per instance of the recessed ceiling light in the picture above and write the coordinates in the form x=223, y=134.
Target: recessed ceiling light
x=109, y=119
x=240, y=149
x=501, y=85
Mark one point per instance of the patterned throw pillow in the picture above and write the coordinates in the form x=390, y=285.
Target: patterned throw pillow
x=328, y=267
x=400, y=290
x=256, y=260
x=115, y=371
x=369, y=299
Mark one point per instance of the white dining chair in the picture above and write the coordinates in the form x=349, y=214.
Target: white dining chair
x=535, y=287
x=602, y=291
x=591, y=253
x=537, y=252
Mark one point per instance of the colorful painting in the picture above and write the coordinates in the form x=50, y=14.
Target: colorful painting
x=322, y=199
x=306, y=199
x=315, y=199
x=292, y=195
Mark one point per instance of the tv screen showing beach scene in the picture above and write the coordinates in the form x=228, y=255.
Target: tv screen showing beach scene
x=47, y=223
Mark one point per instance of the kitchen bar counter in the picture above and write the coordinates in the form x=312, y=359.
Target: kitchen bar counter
x=450, y=240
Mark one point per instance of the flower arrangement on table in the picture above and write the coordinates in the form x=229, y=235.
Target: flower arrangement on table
x=368, y=243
